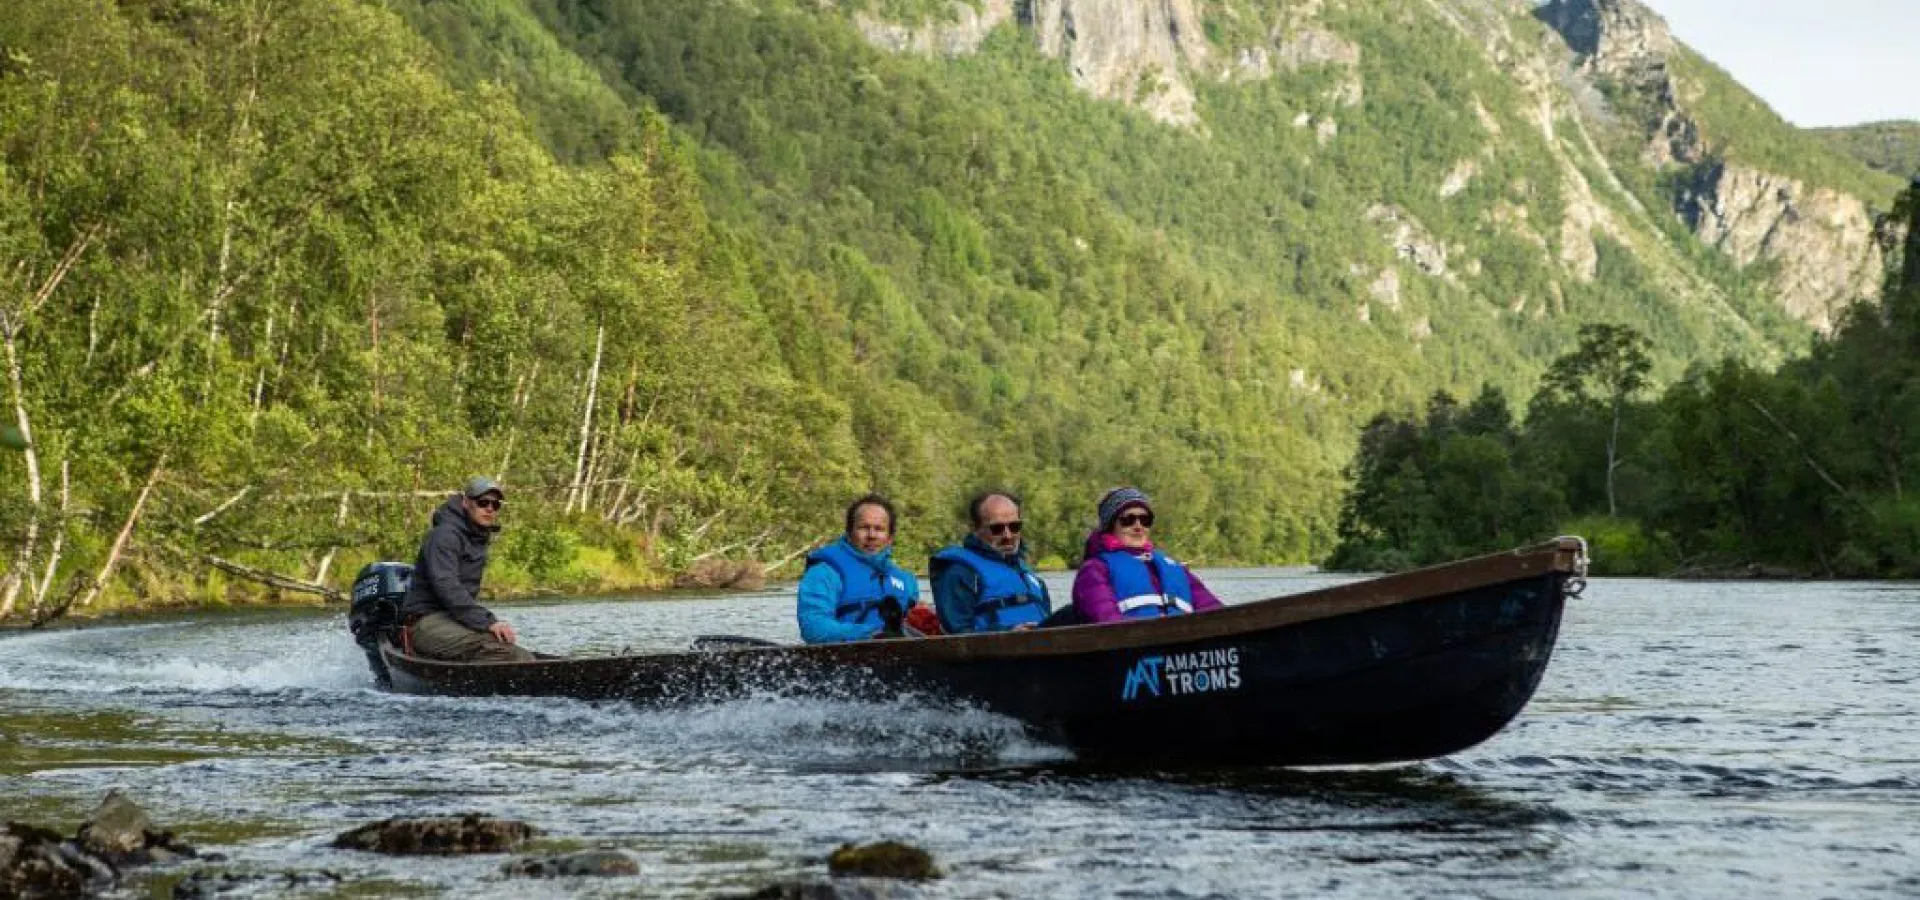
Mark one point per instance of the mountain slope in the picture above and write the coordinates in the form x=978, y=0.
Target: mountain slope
x=1890, y=147
x=1360, y=204
x=689, y=275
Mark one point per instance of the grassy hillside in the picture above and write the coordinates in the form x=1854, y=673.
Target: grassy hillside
x=1890, y=147
x=1743, y=128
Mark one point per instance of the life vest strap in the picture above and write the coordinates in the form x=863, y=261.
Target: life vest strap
x=1142, y=602
x=1156, y=601
x=1007, y=601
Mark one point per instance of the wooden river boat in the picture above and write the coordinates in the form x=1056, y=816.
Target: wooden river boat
x=1401, y=667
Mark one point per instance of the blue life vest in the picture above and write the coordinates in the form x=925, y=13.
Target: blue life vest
x=864, y=586
x=1133, y=585
x=1010, y=595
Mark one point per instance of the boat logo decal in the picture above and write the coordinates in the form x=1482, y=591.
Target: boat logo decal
x=1183, y=674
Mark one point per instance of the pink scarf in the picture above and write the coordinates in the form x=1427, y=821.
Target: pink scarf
x=1107, y=543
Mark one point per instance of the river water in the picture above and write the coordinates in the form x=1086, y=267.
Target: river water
x=1690, y=740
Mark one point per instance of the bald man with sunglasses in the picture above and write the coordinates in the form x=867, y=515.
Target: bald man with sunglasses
x=986, y=582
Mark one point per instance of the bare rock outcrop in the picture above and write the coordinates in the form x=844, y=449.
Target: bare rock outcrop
x=1822, y=241
x=1141, y=52
x=1629, y=45
x=968, y=26
x=1411, y=241
x=1134, y=51
x=1618, y=39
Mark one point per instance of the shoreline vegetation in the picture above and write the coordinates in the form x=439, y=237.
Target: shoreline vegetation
x=1807, y=470
x=752, y=577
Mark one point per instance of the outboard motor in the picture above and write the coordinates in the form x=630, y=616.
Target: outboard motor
x=377, y=592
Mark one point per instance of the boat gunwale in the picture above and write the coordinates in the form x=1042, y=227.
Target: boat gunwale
x=1557, y=556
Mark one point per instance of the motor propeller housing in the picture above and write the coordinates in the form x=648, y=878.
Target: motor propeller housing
x=377, y=592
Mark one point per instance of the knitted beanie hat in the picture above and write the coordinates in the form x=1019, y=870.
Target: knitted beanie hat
x=1118, y=499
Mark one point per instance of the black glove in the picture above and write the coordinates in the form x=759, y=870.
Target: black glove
x=891, y=614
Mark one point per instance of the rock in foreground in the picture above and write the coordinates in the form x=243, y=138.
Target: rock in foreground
x=445, y=836
x=828, y=890
x=584, y=864
x=38, y=863
x=120, y=832
x=35, y=862
x=886, y=859
x=209, y=885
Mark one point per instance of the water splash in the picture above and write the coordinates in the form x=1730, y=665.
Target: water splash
x=176, y=657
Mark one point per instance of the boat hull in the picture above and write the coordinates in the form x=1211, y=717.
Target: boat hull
x=1400, y=668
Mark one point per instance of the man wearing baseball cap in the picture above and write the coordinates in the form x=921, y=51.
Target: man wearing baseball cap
x=442, y=604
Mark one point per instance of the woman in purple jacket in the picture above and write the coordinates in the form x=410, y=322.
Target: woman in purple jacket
x=1125, y=577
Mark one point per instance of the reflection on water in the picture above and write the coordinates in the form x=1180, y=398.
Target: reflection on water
x=1690, y=740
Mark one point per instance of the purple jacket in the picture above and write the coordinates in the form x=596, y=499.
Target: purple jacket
x=1093, y=585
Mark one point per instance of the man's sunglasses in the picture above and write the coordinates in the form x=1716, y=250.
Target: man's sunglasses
x=1126, y=519
x=1004, y=527
x=489, y=502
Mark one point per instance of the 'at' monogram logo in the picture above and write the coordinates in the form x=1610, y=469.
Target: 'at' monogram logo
x=1145, y=674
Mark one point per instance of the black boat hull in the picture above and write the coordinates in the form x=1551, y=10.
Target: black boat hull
x=1401, y=668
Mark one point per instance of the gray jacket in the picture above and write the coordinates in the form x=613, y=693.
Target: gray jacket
x=446, y=575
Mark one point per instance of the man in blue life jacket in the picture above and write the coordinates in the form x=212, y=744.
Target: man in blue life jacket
x=986, y=583
x=852, y=591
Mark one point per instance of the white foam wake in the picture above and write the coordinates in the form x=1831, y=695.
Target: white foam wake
x=190, y=657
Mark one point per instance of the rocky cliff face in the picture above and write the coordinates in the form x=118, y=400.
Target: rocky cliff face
x=1822, y=243
x=1135, y=51
x=970, y=25
x=1145, y=53
x=1622, y=42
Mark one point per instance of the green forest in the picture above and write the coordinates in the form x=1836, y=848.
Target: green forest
x=276, y=276
x=1730, y=470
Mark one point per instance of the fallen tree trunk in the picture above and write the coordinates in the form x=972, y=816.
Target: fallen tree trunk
x=273, y=579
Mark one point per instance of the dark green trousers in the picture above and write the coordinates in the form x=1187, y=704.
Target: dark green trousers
x=438, y=636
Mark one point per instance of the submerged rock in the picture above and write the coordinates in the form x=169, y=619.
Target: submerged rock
x=822, y=890
x=35, y=862
x=38, y=863
x=468, y=833
x=206, y=884
x=886, y=859
x=584, y=864
x=120, y=832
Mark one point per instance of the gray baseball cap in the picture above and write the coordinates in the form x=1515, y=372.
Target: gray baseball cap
x=481, y=484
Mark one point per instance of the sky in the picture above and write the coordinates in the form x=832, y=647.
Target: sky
x=1816, y=62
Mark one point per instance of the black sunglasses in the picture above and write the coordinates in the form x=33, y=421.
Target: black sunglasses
x=489, y=502
x=1005, y=527
x=1145, y=518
